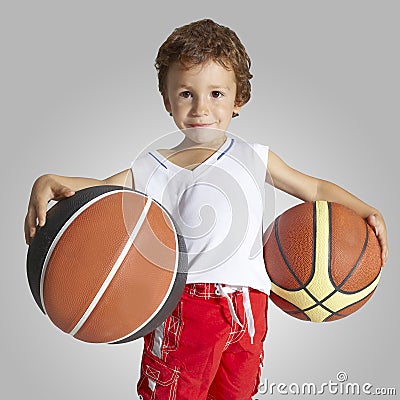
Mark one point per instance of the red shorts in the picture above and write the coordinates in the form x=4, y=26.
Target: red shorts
x=199, y=352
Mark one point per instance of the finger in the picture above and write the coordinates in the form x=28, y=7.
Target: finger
x=63, y=192
x=375, y=225
x=30, y=225
x=380, y=231
x=41, y=209
x=382, y=242
x=384, y=248
x=385, y=253
x=371, y=220
x=69, y=192
x=28, y=235
x=31, y=235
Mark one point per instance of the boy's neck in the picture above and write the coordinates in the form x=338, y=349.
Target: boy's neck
x=212, y=145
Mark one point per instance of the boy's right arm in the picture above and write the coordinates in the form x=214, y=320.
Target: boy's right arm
x=54, y=187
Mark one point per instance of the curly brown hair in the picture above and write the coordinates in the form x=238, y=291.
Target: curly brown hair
x=199, y=42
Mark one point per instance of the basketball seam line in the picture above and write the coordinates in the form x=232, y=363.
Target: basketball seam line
x=63, y=228
x=337, y=287
x=302, y=287
x=179, y=243
x=349, y=305
x=113, y=270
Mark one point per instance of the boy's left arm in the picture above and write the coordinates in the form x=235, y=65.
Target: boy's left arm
x=308, y=188
x=331, y=192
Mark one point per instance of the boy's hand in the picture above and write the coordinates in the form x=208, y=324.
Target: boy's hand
x=44, y=189
x=377, y=222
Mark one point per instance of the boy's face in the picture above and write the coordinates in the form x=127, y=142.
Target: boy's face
x=201, y=99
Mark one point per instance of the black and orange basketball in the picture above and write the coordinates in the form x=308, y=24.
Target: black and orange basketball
x=323, y=259
x=108, y=266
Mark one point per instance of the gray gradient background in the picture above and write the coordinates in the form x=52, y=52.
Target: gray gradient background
x=79, y=97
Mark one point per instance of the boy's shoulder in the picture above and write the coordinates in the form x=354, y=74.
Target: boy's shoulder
x=251, y=152
x=242, y=144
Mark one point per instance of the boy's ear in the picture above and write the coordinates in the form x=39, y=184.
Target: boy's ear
x=167, y=104
x=237, y=108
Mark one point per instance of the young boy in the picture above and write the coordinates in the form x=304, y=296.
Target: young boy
x=211, y=346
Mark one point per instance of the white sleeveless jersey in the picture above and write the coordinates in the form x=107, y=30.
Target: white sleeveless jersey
x=218, y=208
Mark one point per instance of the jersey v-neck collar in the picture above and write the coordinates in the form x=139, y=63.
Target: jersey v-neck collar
x=168, y=165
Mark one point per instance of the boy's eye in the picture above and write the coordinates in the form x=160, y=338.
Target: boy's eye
x=185, y=94
x=216, y=94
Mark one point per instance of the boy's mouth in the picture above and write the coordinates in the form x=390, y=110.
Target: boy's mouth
x=200, y=125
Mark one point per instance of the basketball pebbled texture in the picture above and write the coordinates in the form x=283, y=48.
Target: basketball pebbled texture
x=323, y=260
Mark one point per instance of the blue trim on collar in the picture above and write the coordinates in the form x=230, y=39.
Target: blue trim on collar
x=231, y=144
x=158, y=160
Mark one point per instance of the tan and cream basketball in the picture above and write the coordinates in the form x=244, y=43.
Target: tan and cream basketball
x=323, y=259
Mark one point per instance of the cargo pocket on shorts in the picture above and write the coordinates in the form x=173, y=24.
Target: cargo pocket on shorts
x=173, y=329
x=157, y=380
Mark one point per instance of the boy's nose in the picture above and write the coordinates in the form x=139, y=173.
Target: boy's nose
x=200, y=108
